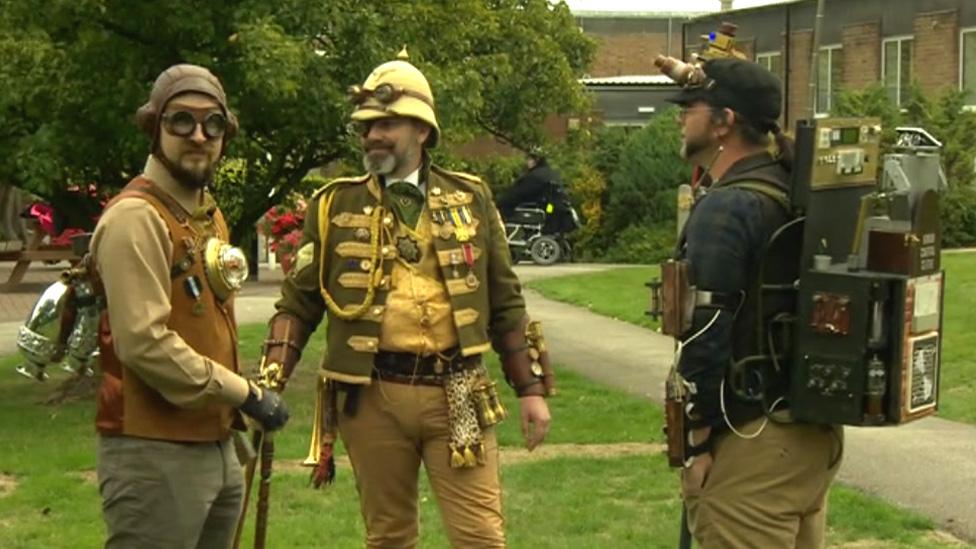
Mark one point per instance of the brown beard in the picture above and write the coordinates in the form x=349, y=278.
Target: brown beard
x=187, y=178
x=690, y=149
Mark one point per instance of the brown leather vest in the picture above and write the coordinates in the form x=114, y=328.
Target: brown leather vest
x=126, y=405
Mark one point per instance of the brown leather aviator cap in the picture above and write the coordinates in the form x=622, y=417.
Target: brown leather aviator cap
x=183, y=78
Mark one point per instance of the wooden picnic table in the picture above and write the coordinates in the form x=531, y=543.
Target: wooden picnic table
x=35, y=250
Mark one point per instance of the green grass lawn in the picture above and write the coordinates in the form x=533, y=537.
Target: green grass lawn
x=621, y=294
x=618, y=293
x=48, y=497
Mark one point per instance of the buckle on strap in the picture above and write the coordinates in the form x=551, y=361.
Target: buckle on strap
x=437, y=364
x=717, y=300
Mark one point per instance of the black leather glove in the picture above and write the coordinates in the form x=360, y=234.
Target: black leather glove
x=266, y=407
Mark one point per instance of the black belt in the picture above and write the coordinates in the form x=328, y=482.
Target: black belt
x=408, y=367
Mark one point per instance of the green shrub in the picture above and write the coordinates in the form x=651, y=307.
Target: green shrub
x=959, y=217
x=643, y=187
x=642, y=244
x=607, y=144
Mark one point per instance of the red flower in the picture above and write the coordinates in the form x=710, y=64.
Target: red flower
x=282, y=224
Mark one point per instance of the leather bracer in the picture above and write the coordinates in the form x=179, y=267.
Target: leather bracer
x=525, y=360
x=287, y=336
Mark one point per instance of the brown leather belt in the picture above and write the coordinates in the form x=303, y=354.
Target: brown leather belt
x=421, y=369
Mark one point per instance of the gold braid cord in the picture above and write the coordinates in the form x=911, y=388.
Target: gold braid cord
x=376, y=260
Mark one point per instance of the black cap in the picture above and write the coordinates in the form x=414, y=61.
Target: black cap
x=740, y=85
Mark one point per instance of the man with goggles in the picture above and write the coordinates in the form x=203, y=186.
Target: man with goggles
x=184, y=123
x=171, y=392
x=410, y=266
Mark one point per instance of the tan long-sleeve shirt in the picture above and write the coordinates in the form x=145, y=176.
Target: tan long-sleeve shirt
x=133, y=253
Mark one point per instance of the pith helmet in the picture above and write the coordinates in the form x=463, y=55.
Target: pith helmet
x=179, y=79
x=396, y=88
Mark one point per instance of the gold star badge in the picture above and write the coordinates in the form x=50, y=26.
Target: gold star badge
x=408, y=249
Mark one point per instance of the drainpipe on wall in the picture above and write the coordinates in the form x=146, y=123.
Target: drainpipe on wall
x=815, y=61
x=684, y=26
x=669, y=35
x=787, y=71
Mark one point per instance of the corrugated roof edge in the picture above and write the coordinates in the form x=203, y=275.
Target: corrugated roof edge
x=709, y=15
x=629, y=80
x=639, y=14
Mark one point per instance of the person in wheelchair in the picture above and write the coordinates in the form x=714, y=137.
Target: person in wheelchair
x=540, y=187
x=538, y=214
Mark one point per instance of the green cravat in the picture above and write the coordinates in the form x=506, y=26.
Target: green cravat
x=407, y=201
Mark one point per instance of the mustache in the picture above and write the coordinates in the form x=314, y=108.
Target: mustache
x=377, y=144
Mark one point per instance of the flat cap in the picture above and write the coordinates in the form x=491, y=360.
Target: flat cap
x=740, y=85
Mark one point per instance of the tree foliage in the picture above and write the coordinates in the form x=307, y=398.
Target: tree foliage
x=644, y=186
x=75, y=71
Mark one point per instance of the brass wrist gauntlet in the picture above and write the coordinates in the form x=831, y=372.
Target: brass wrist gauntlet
x=525, y=360
x=287, y=336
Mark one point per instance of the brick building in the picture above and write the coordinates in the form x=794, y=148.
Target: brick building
x=628, y=42
x=931, y=43
x=627, y=89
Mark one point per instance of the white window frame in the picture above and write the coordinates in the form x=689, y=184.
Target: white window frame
x=829, y=50
x=962, y=61
x=764, y=55
x=884, y=75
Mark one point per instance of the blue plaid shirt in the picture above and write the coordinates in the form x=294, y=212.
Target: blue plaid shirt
x=723, y=241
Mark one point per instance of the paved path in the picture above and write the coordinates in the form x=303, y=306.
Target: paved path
x=928, y=465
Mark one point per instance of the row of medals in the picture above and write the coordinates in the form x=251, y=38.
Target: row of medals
x=456, y=221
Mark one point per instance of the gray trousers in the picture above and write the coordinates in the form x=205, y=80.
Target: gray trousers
x=169, y=495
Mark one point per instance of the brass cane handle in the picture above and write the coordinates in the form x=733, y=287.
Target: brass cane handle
x=271, y=375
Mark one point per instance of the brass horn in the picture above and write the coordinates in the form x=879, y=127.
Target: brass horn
x=315, y=444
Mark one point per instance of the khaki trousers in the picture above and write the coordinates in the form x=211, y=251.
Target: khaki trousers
x=397, y=427
x=169, y=495
x=768, y=492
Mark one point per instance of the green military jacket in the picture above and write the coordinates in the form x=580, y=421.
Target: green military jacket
x=351, y=266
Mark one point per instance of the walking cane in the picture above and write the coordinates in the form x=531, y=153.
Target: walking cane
x=264, y=492
x=249, y=470
x=684, y=540
x=270, y=378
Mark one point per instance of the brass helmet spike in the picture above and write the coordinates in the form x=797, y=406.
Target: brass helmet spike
x=403, y=55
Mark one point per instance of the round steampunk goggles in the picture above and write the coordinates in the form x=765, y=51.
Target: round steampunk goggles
x=385, y=94
x=183, y=123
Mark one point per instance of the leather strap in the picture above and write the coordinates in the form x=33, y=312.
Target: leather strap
x=411, y=365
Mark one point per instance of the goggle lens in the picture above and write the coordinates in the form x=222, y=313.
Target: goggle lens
x=184, y=123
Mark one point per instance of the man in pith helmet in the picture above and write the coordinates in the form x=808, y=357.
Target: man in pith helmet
x=409, y=265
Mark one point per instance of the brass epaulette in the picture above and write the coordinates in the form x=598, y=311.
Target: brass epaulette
x=338, y=181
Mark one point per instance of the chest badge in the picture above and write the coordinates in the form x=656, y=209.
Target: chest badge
x=408, y=249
